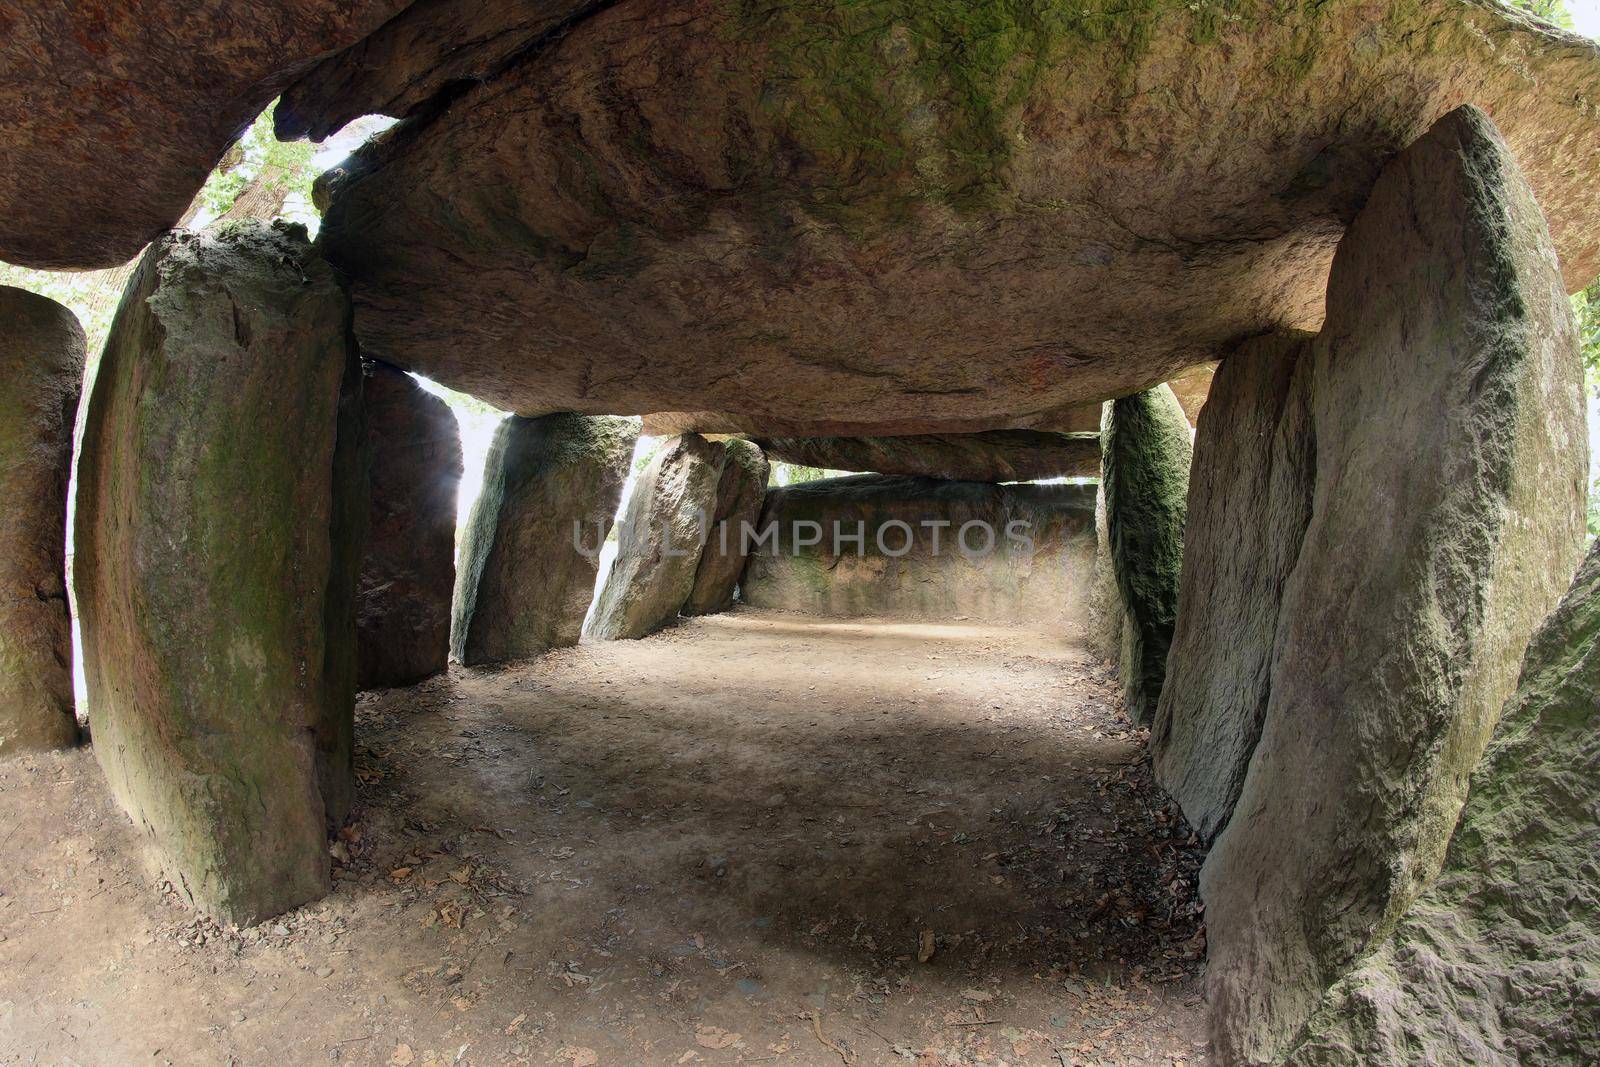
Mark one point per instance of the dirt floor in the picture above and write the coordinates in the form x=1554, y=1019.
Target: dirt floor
x=755, y=838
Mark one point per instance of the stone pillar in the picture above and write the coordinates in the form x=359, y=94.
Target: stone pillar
x=41, y=373
x=1249, y=502
x=662, y=537
x=531, y=552
x=739, y=497
x=1495, y=964
x=408, y=572
x=1145, y=475
x=1446, y=519
x=214, y=568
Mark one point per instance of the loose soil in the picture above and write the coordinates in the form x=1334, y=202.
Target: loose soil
x=756, y=838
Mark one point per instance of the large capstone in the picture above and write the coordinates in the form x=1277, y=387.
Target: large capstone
x=930, y=217
x=115, y=113
x=1145, y=472
x=662, y=538
x=408, y=571
x=1446, y=520
x=41, y=373
x=992, y=456
x=1249, y=502
x=1498, y=964
x=740, y=495
x=927, y=548
x=211, y=547
x=531, y=550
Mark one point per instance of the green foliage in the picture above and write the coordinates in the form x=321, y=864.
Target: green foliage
x=1552, y=11
x=781, y=473
x=258, y=152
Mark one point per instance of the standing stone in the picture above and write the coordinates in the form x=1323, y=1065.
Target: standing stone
x=1249, y=502
x=408, y=573
x=663, y=535
x=927, y=548
x=531, y=551
x=211, y=535
x=1446, y=519
x=1145, y=472
x=41, y=373
x=1106, y=617
x=1499, y=962
x=739, y=498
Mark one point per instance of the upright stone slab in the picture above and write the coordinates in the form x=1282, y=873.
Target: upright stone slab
x=1446, y=520
x=927, y=548
x=1498, y=964
x=739, y=498
x=531, y=551
x=41, y=372
x=408, y=572
x=211, y=549
x=1106, y=617
x=1249, y=502
x=661, y=540
x=1145, y=472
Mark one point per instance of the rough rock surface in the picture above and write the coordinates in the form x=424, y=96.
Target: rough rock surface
x=1145, y=472
x=1498, y=964
x=740, y=495
x=1106, y=616
x=531, y=551
x=116, y=113
x=821, y=210
x=1070, y=418
x=41, y=373
x=206, y=560
x=1249, y=502
x=993, y=456
x=408, y=570
x=662, y=537
x=1445, y=402
x=408, y=60
x=1027, y=556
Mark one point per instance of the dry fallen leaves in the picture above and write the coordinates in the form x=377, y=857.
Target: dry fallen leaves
x=714, y=1037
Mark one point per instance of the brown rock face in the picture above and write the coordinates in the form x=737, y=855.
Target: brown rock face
x=408, y=571
x=531, y=551
x=213, y=568
x=407, y=61
x=739, y=498
x=115, y=113
x=1249, y=502
x=992, y=456
x=662, y=538
x=928, y=549
x=820, y=213
x=1446, y=520
x=41, y=373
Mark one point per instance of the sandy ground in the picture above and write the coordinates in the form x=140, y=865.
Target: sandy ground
x=736, y=842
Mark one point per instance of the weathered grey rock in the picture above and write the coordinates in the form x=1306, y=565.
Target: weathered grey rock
x=662, y=537
x=683, y=205
x=992, y=456
x=41, y=374
x=1106, y=617
x=1249, y=502
x=212, y=543
x=532, y=546
x=408, y=571
x=116, y=113
x=1446, y=519
x=1499, y=962
x=1026, y=557
x=1145, y=472
x=739, y=498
